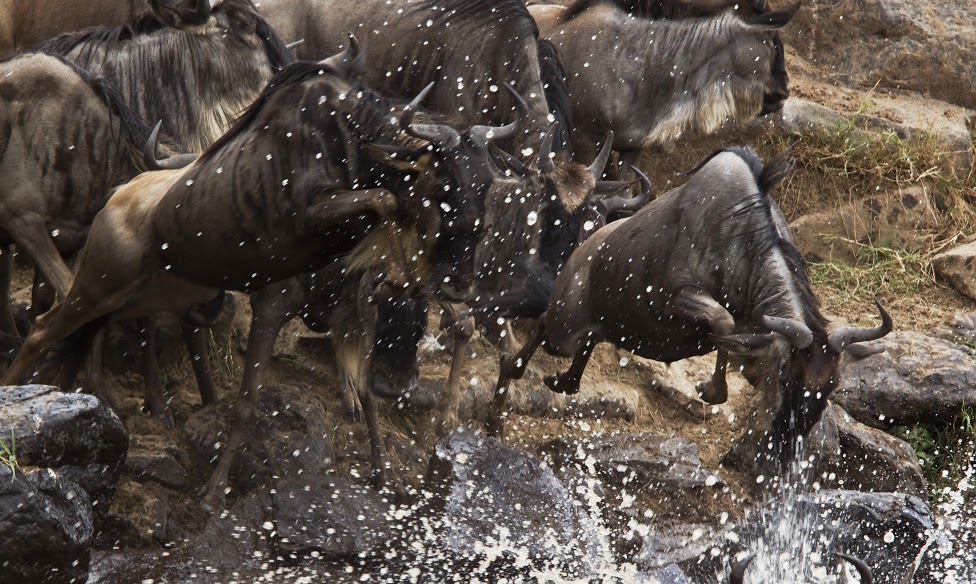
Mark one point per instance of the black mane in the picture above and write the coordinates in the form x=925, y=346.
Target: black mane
x=648, y=9
x=146, y=24
x=557, y=95
x=480, y=15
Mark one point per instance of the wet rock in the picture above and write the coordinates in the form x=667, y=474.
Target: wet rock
x=45, y=526
x=141, y=517
x=851, y=455
x=72, y=433
x=237, y=537
x=489, y=498
x=918, y=379
x=683, y=544
x=958, y=267
x=330, y=516
x=891, y=219
x=151, y=458
x=928, y=47
x=886, y=530
x=289, y=436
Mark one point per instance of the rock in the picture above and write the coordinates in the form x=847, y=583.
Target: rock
x=288, y=437
x=333, y=517
x=684, y=544
x=890, y=219
x=886, y=530
x=45, y=526
x=928, y=47
x=918, y=379
x=141, y=517
x=958, y=267
x=241, y=536
x=72, y=433
x=152, y=458
x=489, y=498
x=851, y=455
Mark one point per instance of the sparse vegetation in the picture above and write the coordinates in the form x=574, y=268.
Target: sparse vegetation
x=944, y=452
x=8, y=455
x=899, y=271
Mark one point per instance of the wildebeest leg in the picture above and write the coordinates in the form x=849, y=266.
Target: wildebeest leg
x=267, y=318
x=511, y=367
x=462, y=330
x=196, y=347
x=569, y=381
x=342, y=204
x=37, y=244
x=155, y=401
x=696, y=304
x=7, y=325
x=381, y=476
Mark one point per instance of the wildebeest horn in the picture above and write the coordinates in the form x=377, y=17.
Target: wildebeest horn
x=349, y=61
x=617, y=203
x=173, y=162
x=482, y=135
x=738, y=573
x=600, y=162
x=440, y=135
x=863, y=570
x=843, y=338
x=545, y=150
x=204, y=7
x=291, y=46
x=798, y=334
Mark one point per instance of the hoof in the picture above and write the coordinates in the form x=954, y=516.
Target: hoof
x=558, y=384
x=711, y=395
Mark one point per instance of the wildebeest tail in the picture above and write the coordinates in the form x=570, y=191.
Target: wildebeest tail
x=527, y=301
x=557, y=95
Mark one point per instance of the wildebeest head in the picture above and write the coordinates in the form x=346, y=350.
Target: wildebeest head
x=759, y=57
x=400, y=325
x=738, y=572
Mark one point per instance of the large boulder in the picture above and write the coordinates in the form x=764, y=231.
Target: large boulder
x=917, y=379
x=958, y=267
x=289, y=436
x=74, y=434
x=926, y=46
x=491, y=502
x=854, y=456
x=45, y=526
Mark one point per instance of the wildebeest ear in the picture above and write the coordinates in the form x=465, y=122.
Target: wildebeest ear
x=177, y=15
x=772, y=20
x=349, y=62
x=743, y=343
x=404, y=159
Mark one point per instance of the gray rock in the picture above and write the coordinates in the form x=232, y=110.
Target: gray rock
x=851, y=455
x=331, y=516
x=886, y=530
x=928, y=46
x=45, y=526
x=958, y=267
x=918, y=379
x=488, y=496
x=72, y=433
x=289, y=436
x=146, y=462
x=242, y=536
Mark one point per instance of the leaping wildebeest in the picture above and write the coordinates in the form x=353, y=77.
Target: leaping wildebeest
x=318, y=167
x=709, y=265
x=68, y=139
x=194, y=65
x=650, y=81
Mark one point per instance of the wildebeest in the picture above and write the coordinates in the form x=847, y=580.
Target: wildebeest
x=709, y=265
x=470, y=48
x=317, y=168
x=738, y=572
x=195, y=66
x=651, y=81
x=667, y=9
x=24, y=24
x=68, y=140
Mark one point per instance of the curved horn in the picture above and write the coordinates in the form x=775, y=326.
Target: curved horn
x=291, y=46
x=348, y=61
x=482, y=135
x=441, y=135
x=616, y=204
x=841, y=338
x=173, y=162
x=600, y=162
x=545, y=150
x=738, y=573
x=798, y=334
x=863, y=570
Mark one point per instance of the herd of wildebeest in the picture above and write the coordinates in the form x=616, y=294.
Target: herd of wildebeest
x=444, y=151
